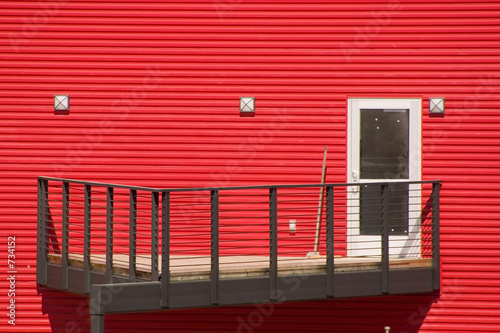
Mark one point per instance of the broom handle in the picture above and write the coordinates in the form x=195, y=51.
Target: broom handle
x=320, y=205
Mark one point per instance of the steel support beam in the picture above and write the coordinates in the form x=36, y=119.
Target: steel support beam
x=125, y=297
x=96, y=323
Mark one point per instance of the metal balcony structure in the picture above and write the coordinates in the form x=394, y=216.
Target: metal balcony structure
x=131, y=248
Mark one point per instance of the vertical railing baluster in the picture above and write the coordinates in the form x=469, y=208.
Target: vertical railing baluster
x=154, y=236
x=214, y=246
x=273, y=243
x=132, y=251
x=109, y=234
x=41, y=276
x=65, y=235
x=436, y=187
x=330, y=265
x=87, y=211
x=385, y=238
x=165, y=249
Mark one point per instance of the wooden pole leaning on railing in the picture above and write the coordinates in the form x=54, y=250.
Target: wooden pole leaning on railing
x=320, y=209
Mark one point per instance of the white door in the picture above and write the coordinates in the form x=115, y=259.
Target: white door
x=384, y=145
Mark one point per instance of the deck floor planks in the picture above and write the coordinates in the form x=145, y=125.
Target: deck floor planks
x=183, y=268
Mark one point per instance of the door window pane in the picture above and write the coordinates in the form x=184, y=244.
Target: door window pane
x=371, y=209
x=384, y=144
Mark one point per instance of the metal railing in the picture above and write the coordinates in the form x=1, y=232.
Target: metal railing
x=153, y=234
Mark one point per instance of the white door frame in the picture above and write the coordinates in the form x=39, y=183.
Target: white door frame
x=369, y=245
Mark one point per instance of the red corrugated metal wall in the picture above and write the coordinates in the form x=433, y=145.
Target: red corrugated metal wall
x=154, y=91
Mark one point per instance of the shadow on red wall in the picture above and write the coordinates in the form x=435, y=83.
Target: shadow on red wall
x=68, y=313
x=403, y=313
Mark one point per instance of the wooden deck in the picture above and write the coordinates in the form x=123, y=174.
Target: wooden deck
x=188, y=268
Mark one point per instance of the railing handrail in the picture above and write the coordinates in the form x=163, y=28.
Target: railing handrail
x=251, y=187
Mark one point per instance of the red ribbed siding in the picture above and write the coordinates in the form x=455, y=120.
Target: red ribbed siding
x=154, y=91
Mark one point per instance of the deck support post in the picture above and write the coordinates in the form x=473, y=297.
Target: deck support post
x=273, y=243
x=330, y=266
x=96, y=323
x=385, y=239
x=214, y=247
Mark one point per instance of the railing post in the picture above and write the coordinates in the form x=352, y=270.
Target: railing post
x=330, y=265
x=65, y=235
x=96, y=323
x=436, y=275
x=41, y=271
x=86, y=236
x=165, y=249
x=132, y=264
x=385, y=238
x=214, y=269
x=109, y=234
x=154, y=236
x=273, y=243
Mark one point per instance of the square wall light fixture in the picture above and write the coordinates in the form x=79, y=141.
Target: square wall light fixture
x=247, y=106
x=436, y=105
x=61, y=102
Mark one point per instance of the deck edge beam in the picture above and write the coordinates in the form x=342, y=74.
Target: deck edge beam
x=124, y=297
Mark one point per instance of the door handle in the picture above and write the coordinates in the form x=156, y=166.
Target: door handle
x=355, y=180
